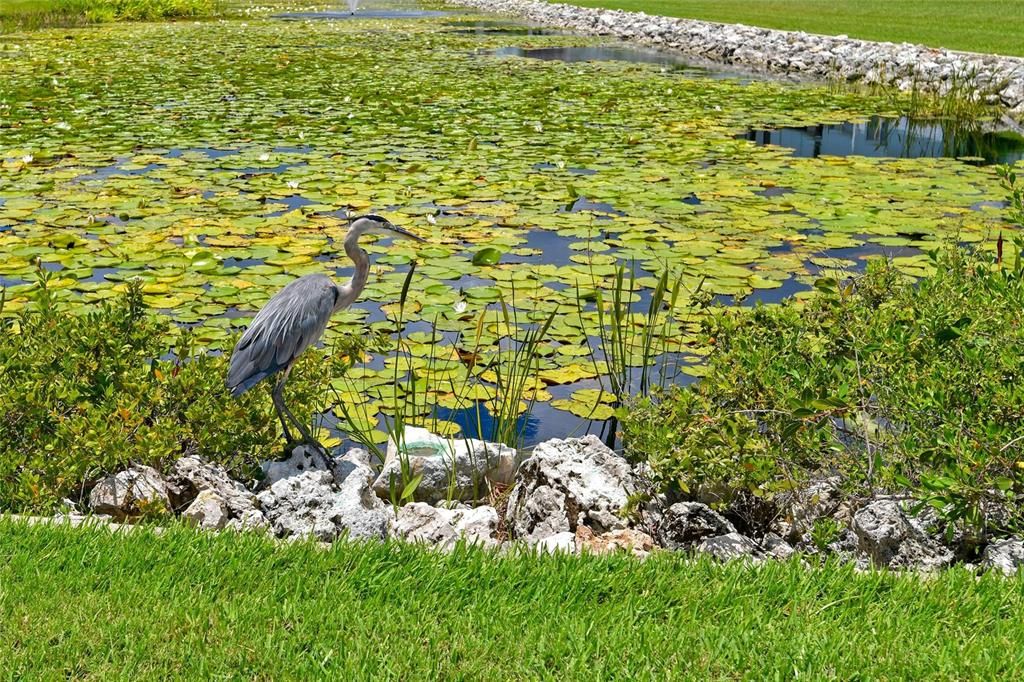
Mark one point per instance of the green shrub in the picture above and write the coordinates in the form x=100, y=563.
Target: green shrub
x=86, y=394
x=894, y=383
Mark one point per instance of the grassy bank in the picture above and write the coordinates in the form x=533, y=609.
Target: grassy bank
x=77, y=604
x=21, y=15
x=973, y=25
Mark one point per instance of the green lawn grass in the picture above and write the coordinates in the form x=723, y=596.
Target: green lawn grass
x=975, y=25
x=90, y=604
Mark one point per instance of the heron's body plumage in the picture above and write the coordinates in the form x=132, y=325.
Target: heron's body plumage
x=292, y=321
x=296, y=317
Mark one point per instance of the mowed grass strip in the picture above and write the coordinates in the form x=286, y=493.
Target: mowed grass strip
x=86, y=603
x=995, y=26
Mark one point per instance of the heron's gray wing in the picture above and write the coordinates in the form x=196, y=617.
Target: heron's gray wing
x=287, y=325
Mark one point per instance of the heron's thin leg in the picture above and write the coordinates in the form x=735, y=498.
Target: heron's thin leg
x=307, y=437
x=278, y=397
x=310, y=440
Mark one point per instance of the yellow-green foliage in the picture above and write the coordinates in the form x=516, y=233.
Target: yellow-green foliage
x=895, y=383
x=88, y=393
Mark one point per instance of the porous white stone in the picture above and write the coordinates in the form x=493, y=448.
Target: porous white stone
x=1006, y=556
x=569, y=483
x=191, y=476
x=456, y=468
x=136, y=490
x=304, y=499
x=443, y=528
x=559, y=543
x=208, y=511
x=886, y=536
x=729, y=547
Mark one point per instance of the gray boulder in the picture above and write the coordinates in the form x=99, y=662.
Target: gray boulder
x=569, y=483
x=777, y=548
x=886, y=536
x=729, y=547
x=135, y=491
x=1005, y=555
x=460, y=468
x=685, y=524
x=302, y=499
x=443, y=528
x=191, y=476
x=208, y=511
x=801, y=508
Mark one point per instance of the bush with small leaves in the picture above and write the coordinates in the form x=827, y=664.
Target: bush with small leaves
x=86, y=394
x=900, y=385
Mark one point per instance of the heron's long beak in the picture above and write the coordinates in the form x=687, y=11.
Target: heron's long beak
x=401, y=232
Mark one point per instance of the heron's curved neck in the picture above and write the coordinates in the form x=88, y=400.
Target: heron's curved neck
x=350, y=291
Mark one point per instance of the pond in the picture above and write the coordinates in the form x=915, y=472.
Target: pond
x=225, y=162
x=896, y=138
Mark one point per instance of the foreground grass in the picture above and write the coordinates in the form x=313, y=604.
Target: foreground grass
x=974, y=25
x=86, y=603
x=19, y=15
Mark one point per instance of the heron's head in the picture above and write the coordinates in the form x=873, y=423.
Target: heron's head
x=377, y=225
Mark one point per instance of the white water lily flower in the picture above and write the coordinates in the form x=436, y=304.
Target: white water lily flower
x=292, y=184
x=460, y=307
x=264, y=157
x=539, y=127
x=28, y=158
x=431, y=219
x=62, y=125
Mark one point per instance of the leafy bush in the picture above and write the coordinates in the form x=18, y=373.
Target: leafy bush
x=896, y=384
x=86, y=394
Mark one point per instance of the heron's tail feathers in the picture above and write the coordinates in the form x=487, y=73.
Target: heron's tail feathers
x=240, y=386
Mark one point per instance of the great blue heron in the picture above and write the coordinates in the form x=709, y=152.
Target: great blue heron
x=295, y=318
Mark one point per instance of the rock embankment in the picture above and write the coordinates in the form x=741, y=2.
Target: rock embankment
x=568, y=495
x=905, y=66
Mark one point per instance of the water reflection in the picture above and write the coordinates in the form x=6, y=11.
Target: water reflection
x=633, y=55
x=895, y=138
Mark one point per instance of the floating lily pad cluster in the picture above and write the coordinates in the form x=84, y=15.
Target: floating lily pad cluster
x=218, y=161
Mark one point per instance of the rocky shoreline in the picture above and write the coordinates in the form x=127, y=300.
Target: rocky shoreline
x=905, y=66
x=571, y=495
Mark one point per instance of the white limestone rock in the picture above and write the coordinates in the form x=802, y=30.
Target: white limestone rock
x=135, y=491
x=569, y=483
x=462, y=469
x=443, y=528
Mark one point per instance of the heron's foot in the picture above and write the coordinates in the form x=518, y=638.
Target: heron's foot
x=319, y=452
